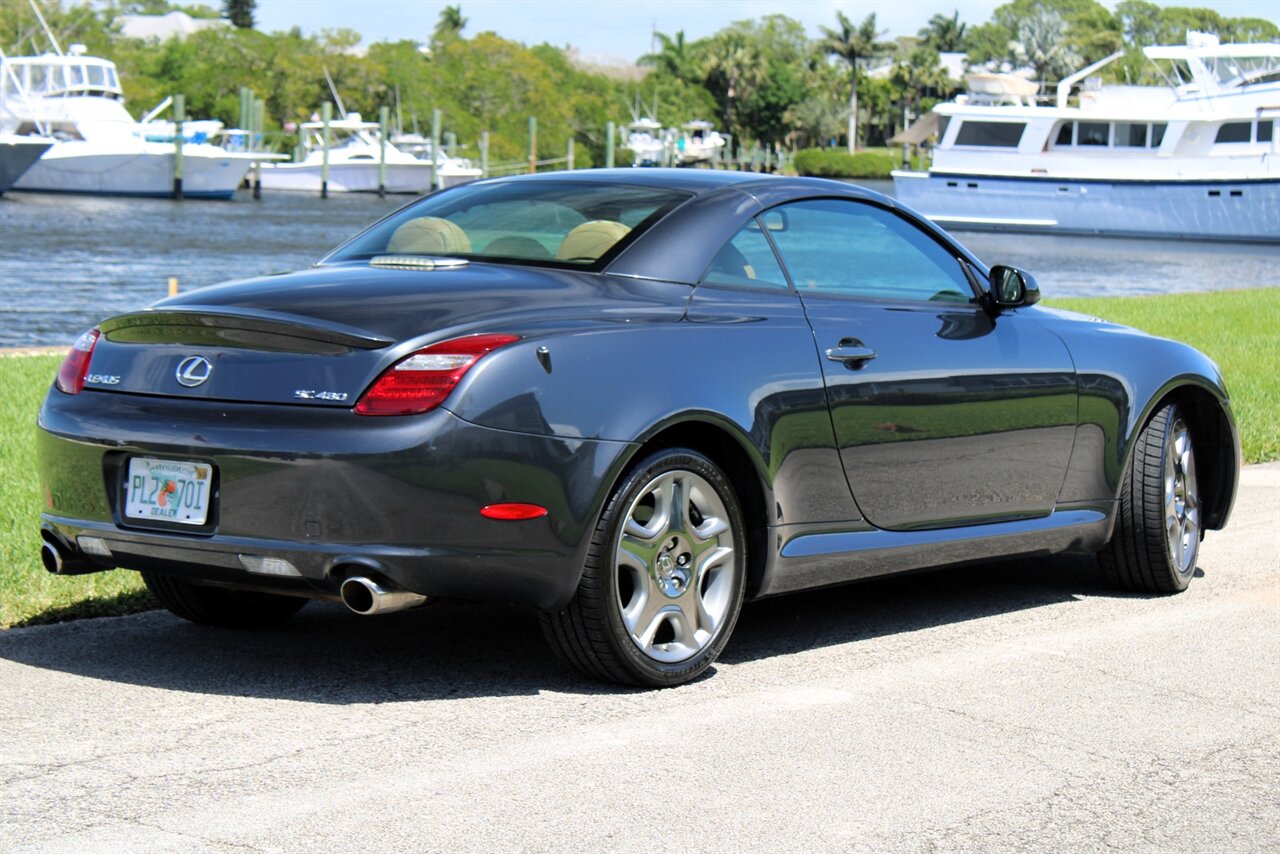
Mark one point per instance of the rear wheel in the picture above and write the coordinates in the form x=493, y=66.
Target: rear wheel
x=664, y=577
x=1157, y=534
x=216, y=606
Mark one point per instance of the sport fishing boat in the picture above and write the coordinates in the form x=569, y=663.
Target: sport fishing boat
x=699, y=143
x=355, y=151
x=644, y=139
x=98, y=148
x=453, y=170
x=1197, y=158
x=17, y=155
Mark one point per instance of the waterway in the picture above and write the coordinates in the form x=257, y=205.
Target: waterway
x=66, y=262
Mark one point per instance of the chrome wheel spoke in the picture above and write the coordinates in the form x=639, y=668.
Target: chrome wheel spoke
x=676, y=566
x=1181, y=499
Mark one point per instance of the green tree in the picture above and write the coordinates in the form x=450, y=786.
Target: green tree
x=239, y=12
x=943, y=33
x=854, y=45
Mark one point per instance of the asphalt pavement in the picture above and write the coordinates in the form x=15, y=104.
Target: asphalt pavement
x=1015, y=707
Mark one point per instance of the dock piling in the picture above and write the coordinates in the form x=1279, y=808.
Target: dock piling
x=609, y=132
x=484, y=154
x=533, y=144
x=568, y=164
x=326, y=116
x=437, y=118
x=384, y=118
x=179, y=116
x=259, y=125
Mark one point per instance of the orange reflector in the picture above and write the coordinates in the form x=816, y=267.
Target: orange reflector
x=513, y=511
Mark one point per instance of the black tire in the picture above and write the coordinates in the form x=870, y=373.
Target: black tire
x=1156, y=540
x=683, y=605
x=217, y=606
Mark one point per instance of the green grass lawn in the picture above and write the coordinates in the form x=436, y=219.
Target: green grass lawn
x=1240, y=330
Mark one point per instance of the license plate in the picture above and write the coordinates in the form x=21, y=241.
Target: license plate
x=168, y=491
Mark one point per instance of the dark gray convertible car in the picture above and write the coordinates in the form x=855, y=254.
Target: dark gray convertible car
x=630, y=399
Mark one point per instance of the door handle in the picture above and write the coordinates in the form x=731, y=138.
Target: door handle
x=852, y=352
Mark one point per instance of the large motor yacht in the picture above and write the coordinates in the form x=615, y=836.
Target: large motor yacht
x=1198, y=158
x=98, y=147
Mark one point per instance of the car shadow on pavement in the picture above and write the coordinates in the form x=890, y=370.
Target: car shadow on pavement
x=457, y=650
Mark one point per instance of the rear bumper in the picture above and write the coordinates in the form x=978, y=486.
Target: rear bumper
x=330, y=493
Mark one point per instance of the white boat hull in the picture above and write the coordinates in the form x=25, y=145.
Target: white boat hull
x=74, y=167
x=1244, y=210
x=350, y=177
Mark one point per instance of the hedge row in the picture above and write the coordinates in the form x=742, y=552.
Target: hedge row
x=831, y=163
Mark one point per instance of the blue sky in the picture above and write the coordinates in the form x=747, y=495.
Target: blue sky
x=621, y=29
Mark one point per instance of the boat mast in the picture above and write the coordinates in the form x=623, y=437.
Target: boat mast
x=45, y=24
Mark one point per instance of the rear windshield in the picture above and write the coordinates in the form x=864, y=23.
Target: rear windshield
x=560, y=224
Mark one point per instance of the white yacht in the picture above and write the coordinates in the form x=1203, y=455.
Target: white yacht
x=699, y=143
x=354, y=153
x=644, y=139
x=1198, y=158
x=98, y=147
x=17, y=155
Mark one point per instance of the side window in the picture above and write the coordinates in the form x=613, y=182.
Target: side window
x=746, y=261
x=843, y=248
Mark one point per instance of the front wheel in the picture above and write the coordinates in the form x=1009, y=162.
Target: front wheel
x=664, y=576
x=1157, y=534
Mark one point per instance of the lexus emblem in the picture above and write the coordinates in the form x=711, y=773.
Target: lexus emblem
x=193, y=371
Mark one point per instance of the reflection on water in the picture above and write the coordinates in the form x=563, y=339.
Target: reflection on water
x=68, y=261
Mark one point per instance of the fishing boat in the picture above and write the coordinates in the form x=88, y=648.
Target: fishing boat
x=700, y=142
x=1196, y=158
x=17, y=155
x=453, y=170
x=355, y=151
x=98, y=148
x=644, y=139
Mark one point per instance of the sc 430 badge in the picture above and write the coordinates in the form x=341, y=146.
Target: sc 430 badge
x=312, y=394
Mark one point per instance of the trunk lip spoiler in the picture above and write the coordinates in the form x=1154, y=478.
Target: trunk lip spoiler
x=256, y=320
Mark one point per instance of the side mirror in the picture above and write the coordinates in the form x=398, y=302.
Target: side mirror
x=1011, y=287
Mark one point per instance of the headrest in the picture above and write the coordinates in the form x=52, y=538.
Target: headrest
x=589, y=241
x=429, y=235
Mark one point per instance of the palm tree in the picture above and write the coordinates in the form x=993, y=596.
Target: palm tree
x=449, y=26
x=943, y=33
x=733, y=67
x=674, y=57
x=853, y=45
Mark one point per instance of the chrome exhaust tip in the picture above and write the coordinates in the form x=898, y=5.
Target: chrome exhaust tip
x=367, y=597
x=51, y=557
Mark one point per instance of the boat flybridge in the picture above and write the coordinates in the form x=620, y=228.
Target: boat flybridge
x=1198, y=157
x=354, y=154
x=98, y=148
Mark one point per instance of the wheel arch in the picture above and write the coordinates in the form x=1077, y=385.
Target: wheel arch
x=741, y=465
x=1214, y=439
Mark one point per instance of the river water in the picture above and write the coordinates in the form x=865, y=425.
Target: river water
x=66, y=262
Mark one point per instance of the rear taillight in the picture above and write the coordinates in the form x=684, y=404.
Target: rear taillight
x=76, y=366
x=421, y=382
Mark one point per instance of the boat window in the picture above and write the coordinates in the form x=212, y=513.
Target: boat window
x=1064, y=134
x=992, y=134
x=1157, y=134
x=1130, y=135
x=851, y=249
x=1234, y=132
x=97, y=75
x=75, y=75
x=112, y=80
x=548, y=223
x=1092, y=133
x=1264, y=131
x=39, y=77
x=943, y=121
x=746, y=261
